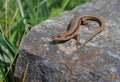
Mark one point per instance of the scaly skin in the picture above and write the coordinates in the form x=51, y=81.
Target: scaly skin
x=74, y=27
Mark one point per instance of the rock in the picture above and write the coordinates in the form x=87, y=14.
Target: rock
x=97, y=61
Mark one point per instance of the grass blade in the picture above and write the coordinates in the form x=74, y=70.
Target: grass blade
x=3, y=74
x=5, y=42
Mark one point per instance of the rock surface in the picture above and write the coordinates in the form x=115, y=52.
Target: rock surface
x=97, y=61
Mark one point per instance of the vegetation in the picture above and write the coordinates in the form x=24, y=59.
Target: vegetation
x=16, y=19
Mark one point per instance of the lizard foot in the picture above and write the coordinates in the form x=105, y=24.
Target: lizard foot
x=77, y=44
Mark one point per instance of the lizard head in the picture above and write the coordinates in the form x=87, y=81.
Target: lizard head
x=57, y=37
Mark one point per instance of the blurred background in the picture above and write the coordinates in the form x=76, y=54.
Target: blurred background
x=17, y=17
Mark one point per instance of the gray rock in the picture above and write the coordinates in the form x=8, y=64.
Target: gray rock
x=97, y=61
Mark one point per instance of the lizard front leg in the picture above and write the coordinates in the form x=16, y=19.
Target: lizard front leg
x=77, y=42
x=86, y=22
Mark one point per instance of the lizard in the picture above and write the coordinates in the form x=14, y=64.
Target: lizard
x=74, y=27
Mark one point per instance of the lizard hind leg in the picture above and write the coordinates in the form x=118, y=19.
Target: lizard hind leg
x=77, y=42
x=86, y=23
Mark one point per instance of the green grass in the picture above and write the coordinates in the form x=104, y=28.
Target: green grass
x=17, y=17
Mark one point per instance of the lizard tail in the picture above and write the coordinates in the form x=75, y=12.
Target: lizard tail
x=91, y=36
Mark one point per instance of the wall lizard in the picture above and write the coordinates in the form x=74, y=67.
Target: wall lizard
x=74, y=27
